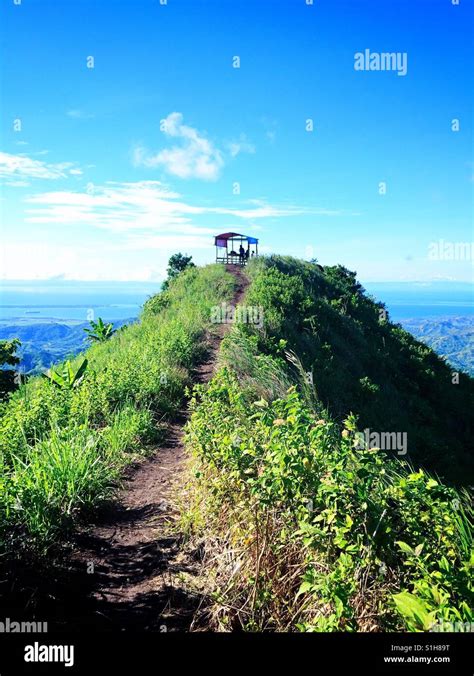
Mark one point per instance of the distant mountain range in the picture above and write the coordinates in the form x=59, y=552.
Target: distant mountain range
x=450, y=337
x=47, y=341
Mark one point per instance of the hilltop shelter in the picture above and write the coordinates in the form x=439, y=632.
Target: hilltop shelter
x=236, y=249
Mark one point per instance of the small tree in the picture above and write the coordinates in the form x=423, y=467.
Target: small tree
x=99, y=331
x=8, y=357
x=176, y=264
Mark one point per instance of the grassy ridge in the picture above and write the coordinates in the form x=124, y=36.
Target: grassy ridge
x=62, y=448
x=307, y=529
x=363, y=364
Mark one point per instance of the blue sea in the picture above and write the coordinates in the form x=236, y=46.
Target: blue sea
x=419, y=300
x=73, y=300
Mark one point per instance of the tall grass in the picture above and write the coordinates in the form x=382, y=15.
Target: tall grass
x=61, y=449
x=61, y=474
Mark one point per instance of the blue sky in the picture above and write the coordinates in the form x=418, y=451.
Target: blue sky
x=94, y=187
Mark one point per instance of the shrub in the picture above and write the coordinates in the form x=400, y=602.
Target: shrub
x=323, y=534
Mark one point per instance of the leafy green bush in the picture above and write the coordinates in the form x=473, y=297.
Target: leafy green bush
x=100, y=331
x=8, y=358
x=176, y=265
x=65, y=375
x=130, y=429
x=311, y=520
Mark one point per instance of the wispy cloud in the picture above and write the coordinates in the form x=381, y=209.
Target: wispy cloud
x=195, y=157
x=240, y=146
x=17, y=184
x=127, y=230
x=79, y=114
x=19, y=169
x=146, y=206
x=270, y=126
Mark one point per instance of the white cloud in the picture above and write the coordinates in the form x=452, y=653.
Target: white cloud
x=195, y=157
x=144, y=205
x=170, y=242
x=240, y=146
x=35, y=260
x=20, y=168
x=79, y=114
x=17, y=184
x=124, y=230
x=270, y=126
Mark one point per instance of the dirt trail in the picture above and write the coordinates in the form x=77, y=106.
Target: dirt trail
x=130, y=570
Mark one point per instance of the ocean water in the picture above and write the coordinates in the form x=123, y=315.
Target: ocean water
x=416, y=300
x=73, y=300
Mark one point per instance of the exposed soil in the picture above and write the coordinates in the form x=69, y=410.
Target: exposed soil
x=130, y=569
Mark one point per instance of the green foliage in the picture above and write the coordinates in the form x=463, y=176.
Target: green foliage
x=364, y=364
x=61, y=474
x=8, y=358
x=318, y=532
x=7, y=352
x=130, y=430
x=65, y=437
x=65, y=375
x=341, y=507
x=99, y=331
x=176, y=265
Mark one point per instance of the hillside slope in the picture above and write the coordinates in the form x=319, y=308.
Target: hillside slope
x=63, y=444
x=303, y=522
x=307, y=525
x=363, y=364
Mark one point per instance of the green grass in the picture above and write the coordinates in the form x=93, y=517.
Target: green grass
x=62, y=448
x=308, y=530
x=363, y=364
x=314, y=533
